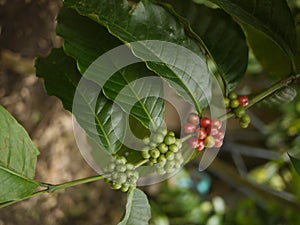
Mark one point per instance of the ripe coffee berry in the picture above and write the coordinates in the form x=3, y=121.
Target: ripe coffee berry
x=193, y=119
x=243, y=100
x=201, y=133
x=213, y=130
x=193, y=142
x=216, y=123
x=205, y=122
x=201, y=145
x=189, y=128
x=218, y=143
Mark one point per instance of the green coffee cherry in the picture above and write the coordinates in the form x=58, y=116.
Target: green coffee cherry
x=155, y=153
x=239, y=111
x=163, y=148
x=145, y=154
x=169, y=140
x=162, y=131
x=245, y=118
x=234, y=103
x=158, y=138
x=122, y=175
x=226, y=102
x=244, y=125
x=174, y=148
x=232, y=95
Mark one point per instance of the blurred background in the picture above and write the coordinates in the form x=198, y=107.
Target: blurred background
x=251, y=182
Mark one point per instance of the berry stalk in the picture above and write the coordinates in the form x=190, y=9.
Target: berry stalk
x=265, y=94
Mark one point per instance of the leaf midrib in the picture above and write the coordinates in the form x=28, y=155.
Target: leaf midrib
x=106, y=24
x=95, y=115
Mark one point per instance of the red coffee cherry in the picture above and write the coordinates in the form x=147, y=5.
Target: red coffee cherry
x=213, y=130
x=200, y=146
x=220, y=135
x=216, y=123
x=201, y=133
x=243, y=100
x=189, y=128
x=205, y=122
x=193, y=142
x=218, y=143
x=193, y=118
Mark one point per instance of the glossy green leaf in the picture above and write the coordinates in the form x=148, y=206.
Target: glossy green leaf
x=296, y=163
x=142, y=21
x=272, y=17
x=17, y=160
x=61, y=78
x=93, y=41
x=222, y=37
x=273, y=60
x=137, y=209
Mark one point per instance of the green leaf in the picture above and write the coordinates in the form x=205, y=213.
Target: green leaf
x=296, y=163
x=61, y=78
x=272, y=17
x=270, y=56
x=137, y=209
x=93, y=41
x=17, y=159
x=221, y=36
x=131, y=22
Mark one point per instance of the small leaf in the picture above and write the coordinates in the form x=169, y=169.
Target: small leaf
x=272, y=17
x=296, y=163
x=145, y=21
x=91, y=42
x=137, y=209
x=61, y=78
x=222, y=37
x=17, y=159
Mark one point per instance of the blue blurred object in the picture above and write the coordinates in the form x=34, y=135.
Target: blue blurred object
x=200, y=181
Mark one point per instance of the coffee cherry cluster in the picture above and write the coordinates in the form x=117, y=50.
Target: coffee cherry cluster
x=121, y=175
x=163, y=150
x=237, y=105
x=207, y=132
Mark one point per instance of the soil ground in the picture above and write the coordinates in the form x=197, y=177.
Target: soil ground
x=27, y=30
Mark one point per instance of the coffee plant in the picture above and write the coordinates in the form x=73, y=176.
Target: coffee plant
x=117, y=60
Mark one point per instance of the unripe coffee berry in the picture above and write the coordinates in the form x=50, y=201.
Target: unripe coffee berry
x=155, y=153
x=245, y=118
x=173, y=148
x=243, y=124
x=226, y=102
x=162, y=131
x=158, y=138
x=234, y=103
x=239, y=111
x=209, y=142
x=163, y=148
x=232, y=95
x=169, y=140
